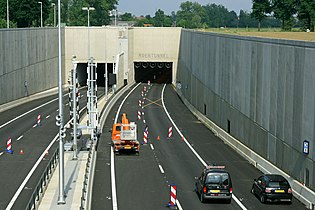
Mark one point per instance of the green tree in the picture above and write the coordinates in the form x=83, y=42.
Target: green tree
x=126, y=17
x=284, y=11
x=306, y=13
x=218, y=16
x=190, y=15
x=259, y=10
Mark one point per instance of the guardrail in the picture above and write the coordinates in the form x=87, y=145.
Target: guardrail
x=87, y=183
x=43, y=182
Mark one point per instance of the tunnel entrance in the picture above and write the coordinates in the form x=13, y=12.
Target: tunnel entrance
x=82, y=73
x=156, y=72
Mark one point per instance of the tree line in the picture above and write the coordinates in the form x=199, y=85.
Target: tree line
x=27, y=13
x=265, y=13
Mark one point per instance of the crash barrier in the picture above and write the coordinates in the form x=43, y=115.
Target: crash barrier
x=86, y=197
x=43, y=182
x=88, y=181
x=301, y=192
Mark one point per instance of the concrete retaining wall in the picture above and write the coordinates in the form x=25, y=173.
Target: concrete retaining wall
x=28, y=62
x=260, y=91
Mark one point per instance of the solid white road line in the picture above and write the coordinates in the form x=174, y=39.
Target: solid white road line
x=22, y=115
x=151, y=145
x=161, y=169
x=18, y=192
x=191, y=148
x=18, y=139
x=112, y=168
x=113, y=179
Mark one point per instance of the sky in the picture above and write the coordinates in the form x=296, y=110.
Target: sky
x=148, y=7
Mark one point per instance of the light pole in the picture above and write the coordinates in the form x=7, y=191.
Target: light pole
x=114, y=12
x=61, y=196
x=105, y=75
x=54, y=5
x=8, y=20
x=41, y=13
x=88, y=11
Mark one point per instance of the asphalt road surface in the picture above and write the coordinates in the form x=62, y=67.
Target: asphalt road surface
x=33, y=140
x=143, y=182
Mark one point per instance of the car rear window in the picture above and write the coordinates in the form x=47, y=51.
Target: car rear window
x=278, y=184
x=218, y=178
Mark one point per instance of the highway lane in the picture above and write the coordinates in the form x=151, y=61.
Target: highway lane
x=140, y=182
x=33, y=140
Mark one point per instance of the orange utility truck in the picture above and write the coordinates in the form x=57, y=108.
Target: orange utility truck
x=124, y=136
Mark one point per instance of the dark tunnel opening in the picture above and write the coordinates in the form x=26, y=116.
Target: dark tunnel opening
x=156, y=72
x=82, y=73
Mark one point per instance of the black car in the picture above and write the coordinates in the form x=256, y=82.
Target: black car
x=272, y=187
x=214, y=183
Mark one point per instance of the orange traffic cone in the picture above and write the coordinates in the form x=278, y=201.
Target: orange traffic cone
x=158, y=138
x=21, y=152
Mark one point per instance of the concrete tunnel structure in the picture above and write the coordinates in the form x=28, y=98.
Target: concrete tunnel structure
x=258, y=90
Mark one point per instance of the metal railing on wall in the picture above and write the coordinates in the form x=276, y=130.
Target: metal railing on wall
x=43, y=182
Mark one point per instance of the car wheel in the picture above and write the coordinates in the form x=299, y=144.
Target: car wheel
x=262, y=199
x=202, y=200
x=290, y=202
x=228, y=201
x=252, y=191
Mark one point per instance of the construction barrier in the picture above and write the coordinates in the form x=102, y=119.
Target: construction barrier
x=145, y=135
x=170, y=132
x=139, y=115
x=9, y=146
x=173, y=196
x=38, y=119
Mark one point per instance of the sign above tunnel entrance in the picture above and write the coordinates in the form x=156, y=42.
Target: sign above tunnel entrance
x=153, y=55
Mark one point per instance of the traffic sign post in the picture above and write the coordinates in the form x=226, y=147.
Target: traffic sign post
x=306, y=146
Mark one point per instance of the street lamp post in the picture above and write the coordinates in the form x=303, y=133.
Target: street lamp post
x=54, y=5
x=41, y=13
x=61, y=196
x=8, y=20
x=88, y=11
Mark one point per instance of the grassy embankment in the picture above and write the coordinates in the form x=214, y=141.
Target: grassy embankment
x=267, y=33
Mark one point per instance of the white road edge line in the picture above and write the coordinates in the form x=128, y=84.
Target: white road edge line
x=191, y=148
x=18, y=139
x=151, y=145
x=161, y=169
x=113, y=179
x=18, y=192
x=112, y=168
x=22, y=115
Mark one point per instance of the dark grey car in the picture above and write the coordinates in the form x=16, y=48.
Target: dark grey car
x=272, y=187
x=214, y=184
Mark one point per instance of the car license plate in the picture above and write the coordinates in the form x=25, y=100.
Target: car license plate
x=279, y=191
x=127, y=147
x=214, y=191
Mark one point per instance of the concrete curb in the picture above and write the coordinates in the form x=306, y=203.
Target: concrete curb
x=301, y=192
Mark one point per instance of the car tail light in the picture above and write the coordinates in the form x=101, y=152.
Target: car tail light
x=289, y=190
x=268, y=190
x=231, y=191
x=204, y=189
